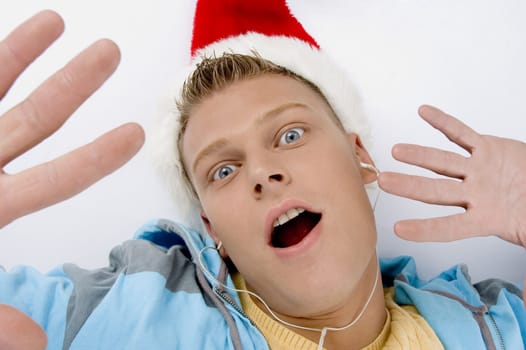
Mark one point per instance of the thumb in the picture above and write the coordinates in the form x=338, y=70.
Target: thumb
x=19, y=332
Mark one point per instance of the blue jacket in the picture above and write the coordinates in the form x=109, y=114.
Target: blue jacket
x=152, y=295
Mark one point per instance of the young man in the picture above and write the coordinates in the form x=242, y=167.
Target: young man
x=279, y=184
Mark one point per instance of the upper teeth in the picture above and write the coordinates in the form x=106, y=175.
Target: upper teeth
x=290, y=214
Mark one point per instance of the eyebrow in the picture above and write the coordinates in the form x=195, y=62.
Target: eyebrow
x=278, y=110
x=223, y=142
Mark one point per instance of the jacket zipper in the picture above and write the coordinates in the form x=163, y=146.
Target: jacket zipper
x=500, y=340
x=224, y=295
x=481, y=315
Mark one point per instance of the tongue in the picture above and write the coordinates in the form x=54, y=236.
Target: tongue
x=294, y=231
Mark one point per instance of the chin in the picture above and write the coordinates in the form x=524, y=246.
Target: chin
x=318, y=289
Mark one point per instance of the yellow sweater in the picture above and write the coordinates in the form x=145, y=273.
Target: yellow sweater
x=404, y=328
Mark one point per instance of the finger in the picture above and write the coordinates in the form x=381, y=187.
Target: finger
x=23, y=45
x=441, y=162
x=52, y=182
x=452, y=128
x=18, y=331
x=432, y=191
x=48, y=107
x=440, y=229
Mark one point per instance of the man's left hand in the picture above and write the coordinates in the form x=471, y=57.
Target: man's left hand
x=490, y=184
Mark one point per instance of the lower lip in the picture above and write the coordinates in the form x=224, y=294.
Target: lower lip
x=303, y=246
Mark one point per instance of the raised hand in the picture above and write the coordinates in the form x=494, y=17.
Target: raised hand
x=490, y=184
x=45, y=110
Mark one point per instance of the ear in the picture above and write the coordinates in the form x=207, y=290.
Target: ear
x=213, y=234
x=362, y=156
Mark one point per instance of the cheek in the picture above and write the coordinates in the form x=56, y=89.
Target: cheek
x=334, y=165
x=227, y=217
x=236, y=223
x=343, y=186
x=215, y=211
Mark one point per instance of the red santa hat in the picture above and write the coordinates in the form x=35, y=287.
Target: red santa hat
x=268, y=28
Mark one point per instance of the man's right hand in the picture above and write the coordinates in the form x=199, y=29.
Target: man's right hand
x=45, y=110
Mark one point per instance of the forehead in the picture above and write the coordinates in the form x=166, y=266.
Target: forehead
x=238, y=108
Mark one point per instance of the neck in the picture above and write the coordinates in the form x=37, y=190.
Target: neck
x=367, y=320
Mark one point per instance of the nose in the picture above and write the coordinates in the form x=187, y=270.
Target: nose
x=268, y=179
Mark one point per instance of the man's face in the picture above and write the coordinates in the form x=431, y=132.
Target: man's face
x=266, y=147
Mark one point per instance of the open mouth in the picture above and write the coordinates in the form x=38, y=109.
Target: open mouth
x=292, y=227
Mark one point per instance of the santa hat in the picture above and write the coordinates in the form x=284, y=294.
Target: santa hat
x=244, y=27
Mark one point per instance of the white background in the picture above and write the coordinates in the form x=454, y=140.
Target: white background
x=466, y=57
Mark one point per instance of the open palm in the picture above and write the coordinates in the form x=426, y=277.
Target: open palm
x=45, y=110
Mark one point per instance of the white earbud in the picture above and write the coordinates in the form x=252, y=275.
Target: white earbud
x=370, y=167
x=372, y=193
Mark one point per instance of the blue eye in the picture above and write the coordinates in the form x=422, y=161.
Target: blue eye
x=224, y=171
x=291, y=136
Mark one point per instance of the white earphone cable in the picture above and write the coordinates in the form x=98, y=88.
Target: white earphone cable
x=322, y=330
